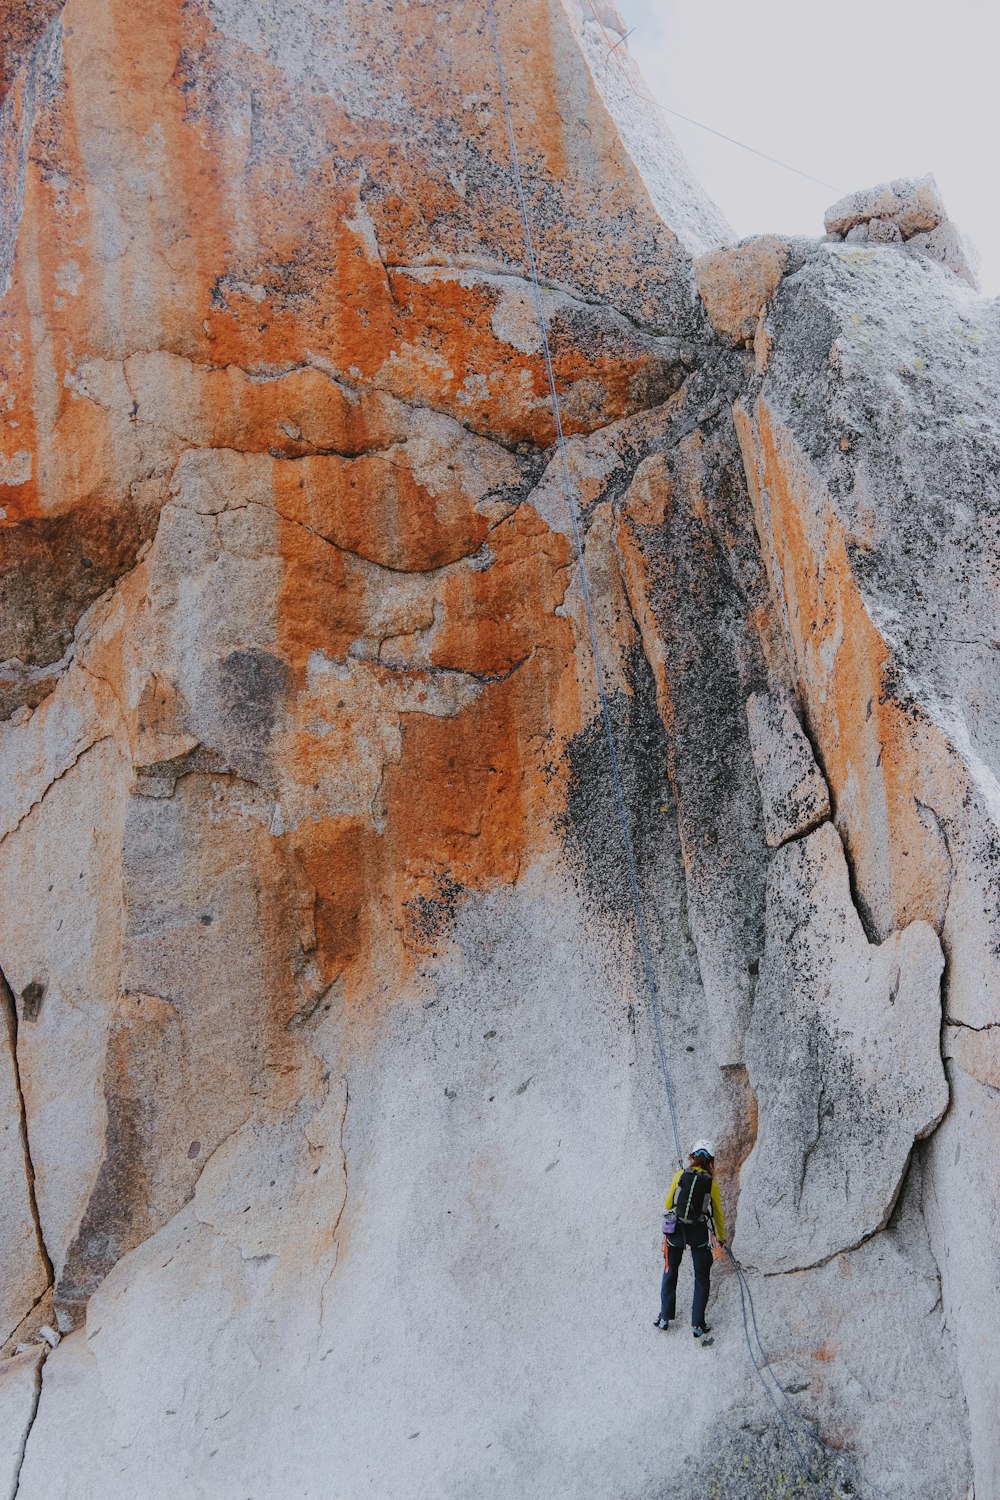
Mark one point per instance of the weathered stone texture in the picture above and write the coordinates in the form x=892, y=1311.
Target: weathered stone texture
x=913, y=204
x=948, y=245
x=880, y=383
x=339, y=1074
x=736, y=284
x=793, y=792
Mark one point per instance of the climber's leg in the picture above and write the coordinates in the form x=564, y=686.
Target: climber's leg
x=701, y=1255
x=668, y=1286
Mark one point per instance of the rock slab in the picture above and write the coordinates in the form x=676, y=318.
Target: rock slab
x=793, y=792
x=20, y=1379
x=843, y=1055
x=736, y=283
x=913, y=204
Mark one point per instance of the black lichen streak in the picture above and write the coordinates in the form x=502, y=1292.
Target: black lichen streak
x=590, y=822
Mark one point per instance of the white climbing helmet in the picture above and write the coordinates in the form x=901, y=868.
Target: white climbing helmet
x=703, y=1148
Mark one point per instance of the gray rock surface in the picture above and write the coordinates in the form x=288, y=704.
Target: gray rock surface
x=793, y=792
x=950, y=246
x=423, y=1335
x=963, y=1219
x=694, y=582
x=844, y=1060
x=882, y=377
x=20, y=1382
x=912, y=204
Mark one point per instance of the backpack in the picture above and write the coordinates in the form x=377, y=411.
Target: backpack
x=691, y=1200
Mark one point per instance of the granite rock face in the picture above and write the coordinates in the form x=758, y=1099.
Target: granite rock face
x=333, y=1129
x=881, y=383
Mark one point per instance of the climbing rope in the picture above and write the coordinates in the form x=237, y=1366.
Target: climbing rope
x=745, y=1296
x=645, y=948
x=652, y=103
x=642, y=931
x=838, y=1455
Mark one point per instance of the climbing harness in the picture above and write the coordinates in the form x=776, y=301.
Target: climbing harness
x=642, y=932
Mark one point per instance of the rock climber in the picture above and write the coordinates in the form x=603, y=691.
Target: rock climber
x=693, y=1214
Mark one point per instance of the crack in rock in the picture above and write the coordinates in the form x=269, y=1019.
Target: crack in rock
x=9, y=1007
x=32, y=1415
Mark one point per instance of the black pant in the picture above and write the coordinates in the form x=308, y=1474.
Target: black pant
x=695, y=1236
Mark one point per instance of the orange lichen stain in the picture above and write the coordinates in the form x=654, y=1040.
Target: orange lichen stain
x=451, y=782
x=161, y=213
x=825, y=1353
x=229, y=283
x=527, y=46
x=120, y=211
x=158, y=216
x=430, y=337
x=869, y=741
x=736, y=284
x=340, y=859
x=294, y=413
x=374, y=506
x=329, y=612
x=425, y=336
x=499, y=617
x=30, y=392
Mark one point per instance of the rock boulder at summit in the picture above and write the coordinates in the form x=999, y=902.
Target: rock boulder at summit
x=334, y=1135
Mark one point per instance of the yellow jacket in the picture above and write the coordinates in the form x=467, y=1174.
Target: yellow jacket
x=719, y=1221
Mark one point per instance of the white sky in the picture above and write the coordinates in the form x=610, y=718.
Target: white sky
x=855, y=92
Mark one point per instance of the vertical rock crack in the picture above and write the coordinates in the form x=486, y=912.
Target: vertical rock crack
x=9, y=1007
x=36, y=1400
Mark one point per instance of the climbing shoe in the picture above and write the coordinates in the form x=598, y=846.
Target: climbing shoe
x=700, y=1332
x=702, y=1336
x=663, y=1323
